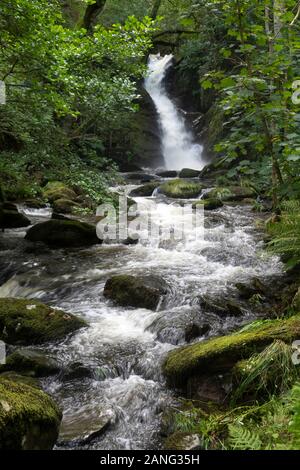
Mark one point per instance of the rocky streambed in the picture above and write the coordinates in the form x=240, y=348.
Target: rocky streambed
x=114, y=359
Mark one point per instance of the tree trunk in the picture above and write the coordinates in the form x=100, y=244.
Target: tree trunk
x=91, y=14
x=155, y=9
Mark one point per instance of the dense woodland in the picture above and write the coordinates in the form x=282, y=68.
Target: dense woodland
x=73, y=72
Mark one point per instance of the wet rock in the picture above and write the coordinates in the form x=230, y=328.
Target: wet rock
x=296, y=301
x=65, y=206
x=221, y=353
x=35, y=203
x=167, y=174
x=193, y=331
x=209, y=204
x=76, y=370
x=83, y=426
x=168, y=422
x=255, y=286
x=63, y=233
x=230, y=193
x=182, y=441
x=181, y=189
x=11, y=218
x=25, y=322
x=130, y=241
x=142, y=177
x=29, y=419
x=30, y=362
x=189, y=173
x=55, y=190
x=10, y=206
x=209, y=388
x=57, y=216
x=221, y=307
x=144, y=191
x=135, y=291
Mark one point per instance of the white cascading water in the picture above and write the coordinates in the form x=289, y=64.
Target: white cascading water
x=178, y=145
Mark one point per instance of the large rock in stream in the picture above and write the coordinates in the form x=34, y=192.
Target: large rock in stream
x=133, y=291
x=29, y=419
x=10, y=217
x=26, y=322
x=180, y=188
x=219, y=355
x=63, y=233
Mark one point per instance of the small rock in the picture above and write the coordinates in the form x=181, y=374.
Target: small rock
x=30, y=362
x=183, y=441
x=193, y=331
x=76, y=370
x=83, y=425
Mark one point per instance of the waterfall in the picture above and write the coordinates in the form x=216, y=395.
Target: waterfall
x=178, y=146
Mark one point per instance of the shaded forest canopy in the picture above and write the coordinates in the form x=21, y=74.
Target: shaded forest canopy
x=73, y=69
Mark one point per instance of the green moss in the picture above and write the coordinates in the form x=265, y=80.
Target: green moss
x=29, y=419
x=56, y=190
x=221, y=353
x=231, y=193
x=189, y=173
x=23, y=379
x=209, y=204
x=65, y=206
x=63, y=233
x=26, y=322
x=181, y=189
x=132, y=291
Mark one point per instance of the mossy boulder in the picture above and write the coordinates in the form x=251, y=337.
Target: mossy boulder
x=12, y=218
x=208, y=204
x=63, y=233
x=29, y=419
x=179, y=188
x=35, y=203
x=221, y=353
x=64, y=206
x=189, y=173
x=25, y=322
x=134, y=291
x=144, y=191
x=296, y=301
x=230, y=193
x=30, y=362
x=23, y=379
x=56, y=190
x=167, y=174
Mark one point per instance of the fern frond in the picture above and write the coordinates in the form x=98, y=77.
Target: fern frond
x=242, y=438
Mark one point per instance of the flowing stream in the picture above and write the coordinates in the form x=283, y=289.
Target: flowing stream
x=117, y=360
x=178, y=146
x=124, y=348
